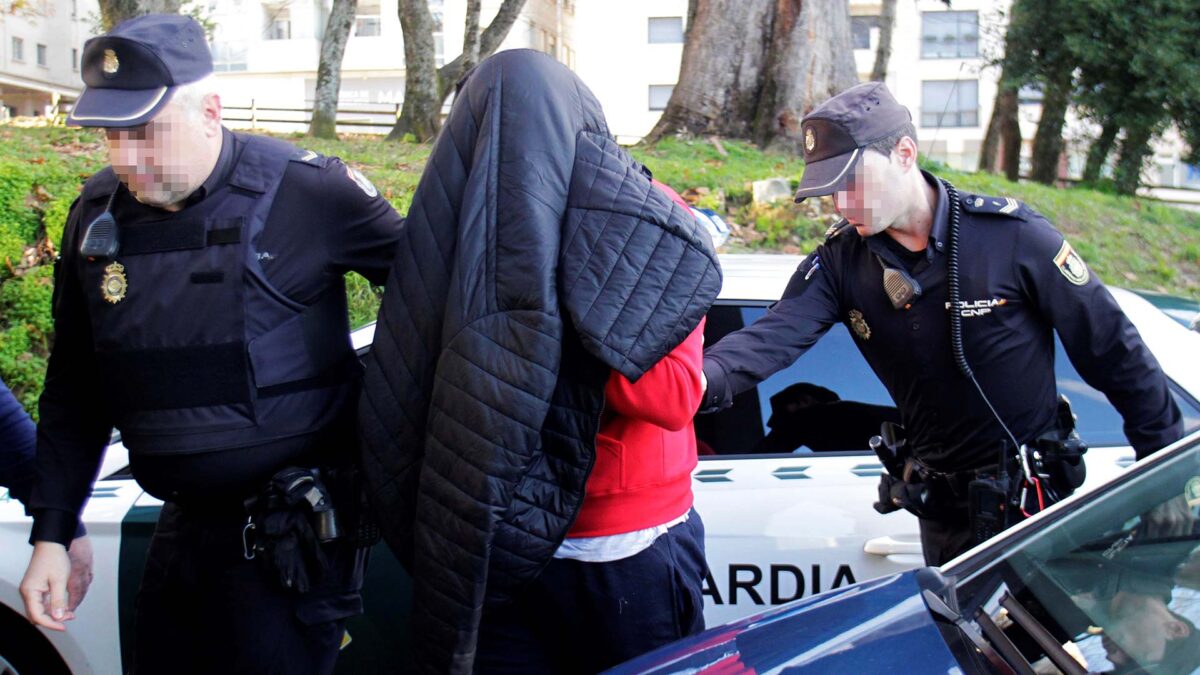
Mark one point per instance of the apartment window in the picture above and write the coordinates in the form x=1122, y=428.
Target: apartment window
x=42, y=56
x=438, y=10
x=367, y=20
x=659, y=95
x=18, y=49
x=229, y=56
x=552, y=45
x=569, y=57
x=278, y=22
x=950, y=103
x=949, y=35
x=860, y=30
x=666, y=30
x=1029, y=94
x=75, y=60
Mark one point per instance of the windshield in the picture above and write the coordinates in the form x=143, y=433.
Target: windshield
x=1113, y=585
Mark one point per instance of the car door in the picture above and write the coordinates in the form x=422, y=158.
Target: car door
x=785, y=482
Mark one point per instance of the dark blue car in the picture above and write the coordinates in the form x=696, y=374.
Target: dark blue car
x=1105, y=582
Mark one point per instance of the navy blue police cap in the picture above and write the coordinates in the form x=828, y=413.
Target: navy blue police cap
x=836, y=133
x=131, y=72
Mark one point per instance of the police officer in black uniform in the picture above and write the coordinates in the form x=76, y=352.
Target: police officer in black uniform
x=200, y=309
x=908, y=247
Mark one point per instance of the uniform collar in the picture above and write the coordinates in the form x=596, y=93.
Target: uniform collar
x=940, y=231
x=220, y=170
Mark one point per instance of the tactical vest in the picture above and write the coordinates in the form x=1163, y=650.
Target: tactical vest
x=197, y=350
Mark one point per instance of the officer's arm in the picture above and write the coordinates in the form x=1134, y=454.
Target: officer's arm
x=742, y=359
x=74, y=423
x=1101, y=342
x=365, y=225
x=17, y=442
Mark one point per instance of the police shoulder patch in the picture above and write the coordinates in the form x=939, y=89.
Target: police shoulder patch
x=362, y=182
x=1071, y=265
x=1001, y=206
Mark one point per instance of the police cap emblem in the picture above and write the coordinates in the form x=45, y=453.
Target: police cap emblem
x=859, y=324
x=810, y=140
x=114, y=284
x=1071, y=265
x=111, y=63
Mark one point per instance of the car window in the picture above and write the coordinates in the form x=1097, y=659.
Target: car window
x=1115, y=582
x=830, y=400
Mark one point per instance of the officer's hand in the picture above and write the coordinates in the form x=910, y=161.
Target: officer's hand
x=80, y=555
x=44, y=588
x=1172, y=518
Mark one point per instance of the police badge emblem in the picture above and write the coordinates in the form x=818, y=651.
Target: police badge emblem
x=114, y=284
x=810, y=140
x=1071, y=265
x=111, y=63
x=859, y=324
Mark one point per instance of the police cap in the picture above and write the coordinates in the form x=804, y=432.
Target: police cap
x=836, y=133
x=131, y=72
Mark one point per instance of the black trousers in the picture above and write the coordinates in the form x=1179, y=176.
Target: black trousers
x=580, y=617
x=204, y=608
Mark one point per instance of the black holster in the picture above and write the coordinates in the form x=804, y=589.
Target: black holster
x=298, y=512
x=1061, y=450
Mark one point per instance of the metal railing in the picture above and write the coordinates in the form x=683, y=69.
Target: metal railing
x=255, y=114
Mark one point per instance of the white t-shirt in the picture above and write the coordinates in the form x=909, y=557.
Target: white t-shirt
x=614, y=546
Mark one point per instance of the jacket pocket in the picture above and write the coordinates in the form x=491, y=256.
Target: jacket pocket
x=609, y=470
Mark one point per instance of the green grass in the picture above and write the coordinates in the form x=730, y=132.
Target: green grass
x=1131, y=242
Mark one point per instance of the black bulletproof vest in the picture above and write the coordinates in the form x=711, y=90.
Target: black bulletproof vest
x=200, y=353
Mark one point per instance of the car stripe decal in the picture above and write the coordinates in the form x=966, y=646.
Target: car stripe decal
x=713, y=476
x=867, y=470
x=791, y=473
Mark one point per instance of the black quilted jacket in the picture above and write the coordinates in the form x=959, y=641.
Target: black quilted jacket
x=536, y=257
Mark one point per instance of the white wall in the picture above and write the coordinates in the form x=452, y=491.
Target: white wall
x=61, y=25
x=616, y=60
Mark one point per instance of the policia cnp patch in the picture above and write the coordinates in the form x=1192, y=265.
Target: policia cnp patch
x=1071, y=265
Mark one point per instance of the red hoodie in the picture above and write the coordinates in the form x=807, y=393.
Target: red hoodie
x=646, y=447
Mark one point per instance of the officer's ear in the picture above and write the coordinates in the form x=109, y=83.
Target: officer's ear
x=905, y=153
x=210, y=113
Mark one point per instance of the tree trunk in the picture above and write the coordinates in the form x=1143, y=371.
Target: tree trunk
x=329, y=71
x=803, y=70
x=1135, y=148
x=425, y=85
x=421, y=112
x=1010, y=139
x=470, y=51
x=752, y=68
x=999, y=126
x=1099, y=151
x=1048, y=142
x=113, y=12
x=883, y=52
x=722, y=70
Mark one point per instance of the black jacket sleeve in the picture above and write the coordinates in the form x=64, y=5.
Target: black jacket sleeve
x=1099, y=339
x=742, y=359
x=74, y=425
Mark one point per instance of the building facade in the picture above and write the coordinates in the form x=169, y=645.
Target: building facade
x=39, y=55
x=266, y=53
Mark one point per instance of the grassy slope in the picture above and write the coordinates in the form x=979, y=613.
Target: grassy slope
x=1130, y=242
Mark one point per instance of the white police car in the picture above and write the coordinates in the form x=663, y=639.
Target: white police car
x=783, y=521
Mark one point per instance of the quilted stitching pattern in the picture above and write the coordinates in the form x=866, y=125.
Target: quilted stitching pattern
x=536, y=257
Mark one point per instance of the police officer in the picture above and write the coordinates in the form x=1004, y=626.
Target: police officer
x=200, y=309
x=886, y=271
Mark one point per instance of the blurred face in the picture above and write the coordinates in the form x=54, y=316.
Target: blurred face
x=878, y=192
x=169, y=157
x=1140, y=627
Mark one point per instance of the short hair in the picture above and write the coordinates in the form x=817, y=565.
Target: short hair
x=884, y=146
x=190, y=97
